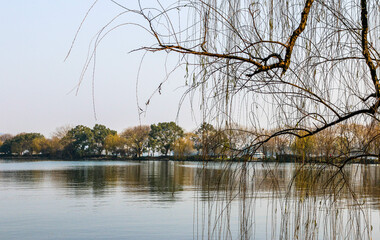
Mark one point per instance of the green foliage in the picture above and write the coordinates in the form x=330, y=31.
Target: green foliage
x=100, y=133
x=6, y=147
x=21, y=143
x=81, y=141
x=163, y=135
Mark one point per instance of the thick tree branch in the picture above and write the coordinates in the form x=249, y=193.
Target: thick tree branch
x=366, y=53
x=296, y=34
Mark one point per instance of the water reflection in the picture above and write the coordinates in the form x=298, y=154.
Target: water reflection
x=291, y=200
x=169, y=178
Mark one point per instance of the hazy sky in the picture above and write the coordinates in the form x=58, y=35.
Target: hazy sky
x=35, y=81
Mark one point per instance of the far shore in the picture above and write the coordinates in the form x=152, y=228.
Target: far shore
x=194, y=158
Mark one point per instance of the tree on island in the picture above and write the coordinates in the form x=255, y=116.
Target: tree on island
x=211, y=142
x=163, y=135
x=5, y=137
x=137, y=139
x=184, y=146
x=40, y=145
x=115, y=144
x=20, y=144
x=100, y=133
x=81, y=141
x=203, y=139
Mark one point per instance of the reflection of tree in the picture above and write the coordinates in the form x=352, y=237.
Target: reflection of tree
x=82, y=179
x=161, y=178
x=24, y=177
x=300, y=182
x=303, y=198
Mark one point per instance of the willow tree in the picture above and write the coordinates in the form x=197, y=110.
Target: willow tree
x=299, y=67
x=308, y=65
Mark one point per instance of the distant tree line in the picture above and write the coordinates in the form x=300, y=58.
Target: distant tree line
x=81, y=141
x=167, y=138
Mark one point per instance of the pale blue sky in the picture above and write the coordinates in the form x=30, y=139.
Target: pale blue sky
x=35, y=81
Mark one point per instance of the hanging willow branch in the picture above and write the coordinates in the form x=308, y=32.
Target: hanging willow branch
x=308, y=64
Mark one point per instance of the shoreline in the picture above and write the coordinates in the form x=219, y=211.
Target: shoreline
x=185, y=159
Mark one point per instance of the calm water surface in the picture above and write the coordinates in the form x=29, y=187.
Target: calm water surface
x=171, y=200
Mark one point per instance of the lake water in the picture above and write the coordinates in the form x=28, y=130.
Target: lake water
x=187, y=200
